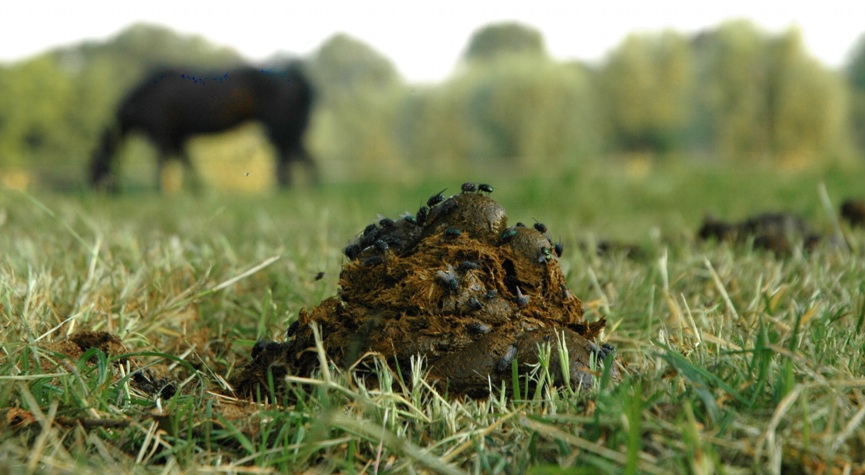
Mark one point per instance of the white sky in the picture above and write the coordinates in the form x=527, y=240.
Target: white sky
x=423, y=39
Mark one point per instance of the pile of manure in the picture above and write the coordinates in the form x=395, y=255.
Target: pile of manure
x=456, y=285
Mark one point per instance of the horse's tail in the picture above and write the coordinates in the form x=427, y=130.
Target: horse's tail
x=303, y=94
x=101, y=169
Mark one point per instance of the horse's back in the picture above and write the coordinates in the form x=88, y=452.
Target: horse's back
x=216, y=100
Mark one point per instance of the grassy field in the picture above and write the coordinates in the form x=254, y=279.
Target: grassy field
x=736, y=360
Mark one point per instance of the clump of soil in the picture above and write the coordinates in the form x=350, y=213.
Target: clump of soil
x=79, y=342
x=454, y=284
x=147, y=380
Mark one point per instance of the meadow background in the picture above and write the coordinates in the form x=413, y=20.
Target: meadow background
x=737, y=360
x=734, y=95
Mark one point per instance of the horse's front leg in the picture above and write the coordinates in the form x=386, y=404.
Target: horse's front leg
x=283, y=170
x=160, y=178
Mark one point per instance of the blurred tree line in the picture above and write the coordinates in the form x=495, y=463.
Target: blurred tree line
x=734, y=93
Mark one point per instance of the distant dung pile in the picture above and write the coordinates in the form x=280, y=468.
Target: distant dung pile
x=777, y=232
x=454, y=284
x=854, y=212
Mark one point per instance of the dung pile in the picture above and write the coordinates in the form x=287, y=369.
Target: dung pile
x=777, y=232
x=455, y=284
x=853, y=211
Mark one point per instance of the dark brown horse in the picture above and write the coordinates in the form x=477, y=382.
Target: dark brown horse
x=171, y=106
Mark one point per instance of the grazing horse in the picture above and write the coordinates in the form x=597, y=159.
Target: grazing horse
x=171, y=106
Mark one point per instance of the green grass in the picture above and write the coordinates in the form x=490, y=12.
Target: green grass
x=736, y=360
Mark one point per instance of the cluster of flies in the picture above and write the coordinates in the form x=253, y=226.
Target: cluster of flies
x=371, y=237
x=377, y=235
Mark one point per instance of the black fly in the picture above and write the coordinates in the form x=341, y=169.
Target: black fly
x=522, y=300
x=381, y=245
x=466, y=266
x=373, y=261
x=422, y=214
x=292, y=329
x=604, y=351
x=436, y=199
x=263, y=345
x=469, y=187
x=370, y=230
x=392, y=240
x=447, y=206
x=559, y=248
x=546, y=255
x=448, y=279
x=506, y=360
x=478, y=328
x=352, y=251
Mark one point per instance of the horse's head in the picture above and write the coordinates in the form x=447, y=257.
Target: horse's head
x=101, y=174
x=102, y=179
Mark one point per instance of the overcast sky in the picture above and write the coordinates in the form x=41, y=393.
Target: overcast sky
x=423, y=39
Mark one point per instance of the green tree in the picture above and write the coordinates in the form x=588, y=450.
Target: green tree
x=36, y=96
x=524, y=110
x=359, y=95
x=645, y=85
x=147, y=46
x=533, y=109
x=764, y=97
x=805, y=103
x=510, y=102
x=855, y=74
x=732, y=68
x=499, y=39
x=435, y=128
x=344, y=67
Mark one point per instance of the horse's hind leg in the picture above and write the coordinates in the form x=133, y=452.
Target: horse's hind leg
x=163, y=181
x=190, y=173
x=283, y=172
x=310, y=163
x=168, y=180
